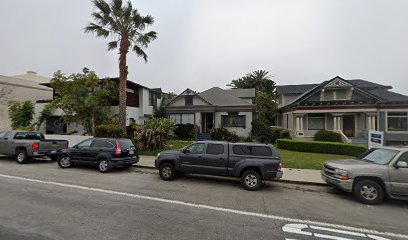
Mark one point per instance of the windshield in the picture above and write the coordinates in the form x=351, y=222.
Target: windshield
x=379, y=156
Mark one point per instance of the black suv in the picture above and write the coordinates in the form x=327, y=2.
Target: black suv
x=104, y=153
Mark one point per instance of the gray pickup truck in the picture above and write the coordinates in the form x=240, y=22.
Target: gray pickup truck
x=250, y=161
x=26, y=145
x=378, y=173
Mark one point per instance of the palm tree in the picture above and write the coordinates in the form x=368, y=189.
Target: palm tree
x=259, y=79
x=126, y=27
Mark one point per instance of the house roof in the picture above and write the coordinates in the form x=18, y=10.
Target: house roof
x=33, y=76
x=242, y=93
x=389, y=96
x=22, y=83
x=219, y=97
x=302, y=88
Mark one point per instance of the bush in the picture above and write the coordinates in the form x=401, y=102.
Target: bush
x=261, y=132
x=185, y=131
x=321, y=147
x=327, y=136
x=222, y=134
x=21, y=114
x=153, y=134
x=109, y=131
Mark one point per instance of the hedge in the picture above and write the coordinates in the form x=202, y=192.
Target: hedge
x=327, y=136
x=109, y=131
x=321, y=147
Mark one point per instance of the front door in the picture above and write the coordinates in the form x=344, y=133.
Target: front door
x=207, y=122
x=349, y=125
x=81, y=151
x=399, y=177
x=191, y=159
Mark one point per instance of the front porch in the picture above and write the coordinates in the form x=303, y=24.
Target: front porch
x=353, y=126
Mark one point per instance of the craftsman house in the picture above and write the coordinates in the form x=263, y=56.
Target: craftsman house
x=215, y=107
x=349, y=107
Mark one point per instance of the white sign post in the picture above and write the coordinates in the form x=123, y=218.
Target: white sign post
x=375, y=139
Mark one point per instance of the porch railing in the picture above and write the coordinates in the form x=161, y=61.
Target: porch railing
x=344, y=137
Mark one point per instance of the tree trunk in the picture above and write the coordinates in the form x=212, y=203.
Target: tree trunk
x=123, y=72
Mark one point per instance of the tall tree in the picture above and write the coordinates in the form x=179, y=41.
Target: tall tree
x=259, y=79
x=126, y=27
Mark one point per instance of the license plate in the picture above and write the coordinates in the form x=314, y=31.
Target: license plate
x=131, y=152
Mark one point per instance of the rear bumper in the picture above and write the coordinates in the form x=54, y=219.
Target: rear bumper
x=116, y=162
x=345, y=185
x=272, y=174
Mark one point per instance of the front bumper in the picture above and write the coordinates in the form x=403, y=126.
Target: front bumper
x=117, y=162
x=345, y=185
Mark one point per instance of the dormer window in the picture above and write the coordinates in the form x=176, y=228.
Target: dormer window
x=335, y=94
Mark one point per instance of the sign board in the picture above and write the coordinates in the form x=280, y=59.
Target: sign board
x=375, y=139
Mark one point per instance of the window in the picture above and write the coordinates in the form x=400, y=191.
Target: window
x=261, y=151
x=233, y=121
x=2, y=134
x=126, y=143
x=29, y=135
x=197, y=148
x=188, y=100
x=102, y=144
x=316, y=121
x=397, y=121
x=215, y=149
x=380, y=156
x=182, y=118
x=241, y=150
x=131, y=121
x=84, y=144
x=152, y=99
x=404, y=157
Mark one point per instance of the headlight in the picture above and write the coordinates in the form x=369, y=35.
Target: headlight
x=340, y=172
x=158, y=155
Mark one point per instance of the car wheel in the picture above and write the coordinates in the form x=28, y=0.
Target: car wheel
x=21, y=156
x=103, y=165
x=251, y=180
x=368, y=192
x=64, y=161
x=167, y=172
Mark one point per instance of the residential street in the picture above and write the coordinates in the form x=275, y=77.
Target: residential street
x=41, y=201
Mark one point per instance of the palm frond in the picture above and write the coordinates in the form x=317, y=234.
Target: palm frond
x=102, y=6
x=139, y=52
x=99, y=30
x=112, y=45
x=116, y=7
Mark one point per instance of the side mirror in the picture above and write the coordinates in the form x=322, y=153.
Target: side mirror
x=401, y=164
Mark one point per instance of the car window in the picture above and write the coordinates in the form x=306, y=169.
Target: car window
x=86, y=143
x=261, y=151
x=197, y=148
x=126, y=143
x=29, y=135
x=380, y=156
x=2, y=134
x=215, y=149
x=241, y=150
x=102, y=144
x=403, y=158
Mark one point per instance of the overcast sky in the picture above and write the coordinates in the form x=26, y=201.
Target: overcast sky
x=206, y=43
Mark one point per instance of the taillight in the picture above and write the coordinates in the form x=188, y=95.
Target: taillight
x=67, y=145
x=34, y=147
x=118, y=151
x=280, y=167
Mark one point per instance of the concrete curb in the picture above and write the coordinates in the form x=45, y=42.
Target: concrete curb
x=280, y=180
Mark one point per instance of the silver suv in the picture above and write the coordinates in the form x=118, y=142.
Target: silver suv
x=377, y=173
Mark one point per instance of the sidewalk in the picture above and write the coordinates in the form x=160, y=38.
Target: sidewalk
x=305, y=176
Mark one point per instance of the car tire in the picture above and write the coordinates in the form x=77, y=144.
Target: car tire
x=368, y=192
x=251, y=180
x=167, y=171
x=21, y=156
x=64, y=161
x=103, y=165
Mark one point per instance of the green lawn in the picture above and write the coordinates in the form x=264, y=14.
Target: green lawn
x=305, y=160
x=290, y=159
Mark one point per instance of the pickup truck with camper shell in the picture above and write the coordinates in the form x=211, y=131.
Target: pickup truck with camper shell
x=378, y=173
x=25, y=145
x=252, y=162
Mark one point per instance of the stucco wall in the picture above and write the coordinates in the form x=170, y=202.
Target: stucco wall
x=238, y=130
x=180, y=101
x=18, y=93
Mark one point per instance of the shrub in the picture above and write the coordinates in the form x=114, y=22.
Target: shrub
x=261, y=132
x=321, y=147
x=222, y=134
x=185, y=131
x=109, y=131
x=327, y=136
x=20, y=113
x=153, y=134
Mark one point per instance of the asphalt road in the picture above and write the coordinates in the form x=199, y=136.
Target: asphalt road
x=41, y=201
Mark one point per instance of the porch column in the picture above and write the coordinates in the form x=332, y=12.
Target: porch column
x=337, y=122
x=371, y=123
x=299, y=123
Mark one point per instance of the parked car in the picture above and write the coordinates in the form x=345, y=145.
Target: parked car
x=25, y=145
x=105, y=153
x=378, y=173
x=249, y=161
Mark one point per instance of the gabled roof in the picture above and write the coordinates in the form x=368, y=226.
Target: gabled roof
x=242, y=93
x=389, y=96
x=219, y=97
x=22, y=83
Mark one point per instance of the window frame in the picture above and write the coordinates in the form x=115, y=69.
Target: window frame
x=188, y=100
x=394, y=117
x=204, y=149
x=208, y=147
x=228, y=120
x=308, y=121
